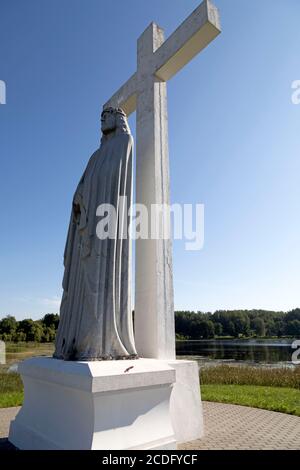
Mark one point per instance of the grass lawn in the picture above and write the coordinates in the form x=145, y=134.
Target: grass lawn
x=8, y=399
x=16, y=352
x=249, y=375
x=283, y=399
x=11, y=386
x=275, y=389
x=11, y=390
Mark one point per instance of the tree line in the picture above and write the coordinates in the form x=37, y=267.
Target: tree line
x=188, y=325
x=40, y=331
x=237, y=323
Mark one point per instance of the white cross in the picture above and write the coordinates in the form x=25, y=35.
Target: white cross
x=146, y=93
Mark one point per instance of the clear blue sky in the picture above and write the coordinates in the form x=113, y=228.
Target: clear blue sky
x=234, y=144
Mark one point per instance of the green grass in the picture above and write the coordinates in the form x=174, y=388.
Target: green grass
x=11, y=399
x=285, y=400
x=246, y=375
x=25, y=346
x=11, y=390
x=11, y=386
x=16, y=352
x=269, y=389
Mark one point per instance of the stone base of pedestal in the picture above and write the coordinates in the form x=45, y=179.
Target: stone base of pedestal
x=95, y=405
x=185, y=405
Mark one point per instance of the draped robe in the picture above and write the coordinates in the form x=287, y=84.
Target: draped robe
x=95, y=314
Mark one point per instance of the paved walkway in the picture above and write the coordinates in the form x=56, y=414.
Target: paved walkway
x=226, y=427
x=234, y=427
x=6, y=415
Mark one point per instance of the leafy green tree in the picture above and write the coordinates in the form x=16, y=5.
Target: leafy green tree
x=241, y=323
x=51, y=320
x=36, y=333
x=231, y=330
x=293, y=328
x=32, y=330
x=258, y=326
x=293, y=315
x=271, y=327
x=218, y=329
x=207, y=329
x=48, y=335
x=19, y=336
x=25, y=326
x=6, y=337
x=8, y=326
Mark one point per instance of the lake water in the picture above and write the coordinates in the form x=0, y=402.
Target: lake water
x=271, y=352
x=265, y=352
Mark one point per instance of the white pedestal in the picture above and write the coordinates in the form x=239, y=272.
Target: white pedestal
x=95, y=405
x=185, y=405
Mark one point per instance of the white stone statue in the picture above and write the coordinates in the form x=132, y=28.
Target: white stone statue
x=95, y=313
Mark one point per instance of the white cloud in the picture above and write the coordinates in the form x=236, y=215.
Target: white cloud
x=53, y=302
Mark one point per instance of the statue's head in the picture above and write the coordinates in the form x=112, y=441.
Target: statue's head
x=114, y=120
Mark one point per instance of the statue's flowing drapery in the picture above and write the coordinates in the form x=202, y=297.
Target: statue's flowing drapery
x=95, y=313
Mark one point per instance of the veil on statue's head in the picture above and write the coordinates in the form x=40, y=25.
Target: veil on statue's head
x=122, y=126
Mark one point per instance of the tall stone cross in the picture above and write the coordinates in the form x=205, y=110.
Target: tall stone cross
x=146, y=93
